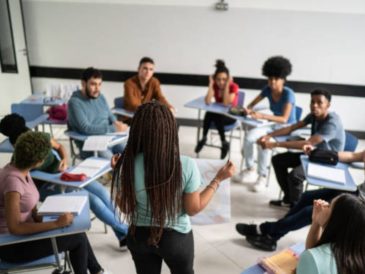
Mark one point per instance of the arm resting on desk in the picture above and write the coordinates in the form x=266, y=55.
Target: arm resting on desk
x=282, y=119
x=349, y=157
x=16, y=227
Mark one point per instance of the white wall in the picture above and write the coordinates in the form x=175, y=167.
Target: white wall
x=323, y=39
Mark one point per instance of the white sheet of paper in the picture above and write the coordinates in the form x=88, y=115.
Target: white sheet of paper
x=90, y=167
x=97, y=143
x=58, y=204
x=326, y=173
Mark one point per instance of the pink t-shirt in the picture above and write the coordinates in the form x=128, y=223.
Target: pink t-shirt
x=233, y=88
x=11, y=180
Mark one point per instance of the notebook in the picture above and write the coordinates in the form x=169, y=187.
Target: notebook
x=284, y=262
x=90, y=167
x=59, y=204
x=326, y=173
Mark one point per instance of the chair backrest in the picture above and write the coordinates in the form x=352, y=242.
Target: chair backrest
x=241, y=98
x=119, y=102
x=298, y=113
x=29, y=112
x=350, y=142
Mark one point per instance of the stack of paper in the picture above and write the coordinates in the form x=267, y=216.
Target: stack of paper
x=326, y=173
x=59, y=204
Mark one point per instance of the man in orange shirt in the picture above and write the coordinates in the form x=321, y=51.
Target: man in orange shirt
x=143, y=87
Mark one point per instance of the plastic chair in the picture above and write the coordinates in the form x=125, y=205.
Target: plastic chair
x=228, y=128
x=351, y=142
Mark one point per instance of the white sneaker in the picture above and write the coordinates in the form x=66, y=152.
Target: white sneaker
x=260, y=184
x=245, y=176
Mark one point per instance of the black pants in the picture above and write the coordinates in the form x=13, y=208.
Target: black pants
x=219, y=120
x=175, y=249
x=291, y=183
x=300, y=215
x=81, y=254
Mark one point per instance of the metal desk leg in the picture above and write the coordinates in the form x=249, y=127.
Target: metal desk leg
x=55, y=250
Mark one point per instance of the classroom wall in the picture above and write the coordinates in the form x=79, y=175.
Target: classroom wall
x=323, y=39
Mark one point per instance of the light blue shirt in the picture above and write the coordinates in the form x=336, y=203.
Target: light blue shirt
x=190, y=183
x=330, y=129
x=89, y=116
x=277, y=108
x=318, y=260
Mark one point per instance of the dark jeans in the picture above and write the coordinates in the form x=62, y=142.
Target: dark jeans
x=298, y=216
x=291, y=183
x=81, y=254
x=175, y=249
x=219, y=120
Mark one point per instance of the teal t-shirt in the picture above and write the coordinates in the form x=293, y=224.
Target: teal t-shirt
x=190, y=183
x=318, y=260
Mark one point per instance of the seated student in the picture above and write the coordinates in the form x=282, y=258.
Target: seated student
x=13, y=125
x=157, y=188
x=266, y=235
x=327, y=132
x=143, y=87
x=225, y=91
x=18, y=214
x=282, y=104
x=89, y=113
x=336, y=240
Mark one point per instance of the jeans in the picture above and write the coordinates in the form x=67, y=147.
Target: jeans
x=263, y=155
x=103, y=208
x=219, y=120
x=100, y=204
x=175, y=249
x=81, y=254
x=291, y=183
x=300, y=215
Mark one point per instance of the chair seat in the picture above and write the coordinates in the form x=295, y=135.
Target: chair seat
x=49, y=260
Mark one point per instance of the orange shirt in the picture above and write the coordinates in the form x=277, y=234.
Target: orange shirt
x=134, y=96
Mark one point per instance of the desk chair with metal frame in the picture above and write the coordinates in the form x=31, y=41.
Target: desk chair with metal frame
x=229, y=128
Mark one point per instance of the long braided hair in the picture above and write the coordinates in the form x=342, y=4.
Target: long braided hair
x=153, y=133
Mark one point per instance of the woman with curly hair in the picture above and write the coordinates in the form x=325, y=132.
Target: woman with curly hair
x=225, y=91
x=18, y=211
x=336, y=240
x=156, y=188
x=282, y=104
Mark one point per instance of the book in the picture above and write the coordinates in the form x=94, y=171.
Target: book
x=326, y=173
x=90, y=167
x=284, y=262
x=59, y=204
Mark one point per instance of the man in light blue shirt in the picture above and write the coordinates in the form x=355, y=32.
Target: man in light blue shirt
x=89, y=113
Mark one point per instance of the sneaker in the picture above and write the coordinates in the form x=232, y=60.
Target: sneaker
x=200, y=145
x=280, y=203
x=224, y=150
x=249, y=176
x=246, y=229
x=263, y=242
x=260, y=184
x=123, y=244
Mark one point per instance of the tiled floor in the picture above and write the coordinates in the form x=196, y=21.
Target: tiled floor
x=218, y=248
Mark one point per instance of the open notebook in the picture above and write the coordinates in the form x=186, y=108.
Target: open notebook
x=59, y=204
x=91, y=166
x=326, y=173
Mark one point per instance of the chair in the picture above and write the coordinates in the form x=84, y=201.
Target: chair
x=32, y=113
x=229, y=128
x=119, y=108
x=74, y=136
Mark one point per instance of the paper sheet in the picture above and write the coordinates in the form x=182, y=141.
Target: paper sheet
x=59, y=204
x=97, y=143
x=90, y=167
x=326, y=173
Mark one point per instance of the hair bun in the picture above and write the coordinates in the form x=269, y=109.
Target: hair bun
x=220, y=64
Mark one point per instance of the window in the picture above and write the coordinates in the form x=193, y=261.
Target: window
x=7, y=50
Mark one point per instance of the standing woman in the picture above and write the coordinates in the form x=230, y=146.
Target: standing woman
x=18, y=212
x=336, y=239
x=282, y=104
x=225, y=91
x=157, y=189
